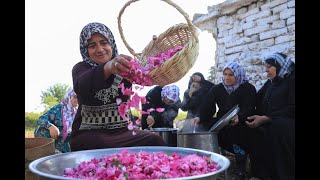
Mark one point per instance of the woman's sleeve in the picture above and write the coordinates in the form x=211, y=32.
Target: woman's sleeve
x=208, y=106
x=191, y=102
x=259, y=99
x=47, y=119
x=247, y=106
x=87, y=79
x=151, y=98
x=185, y=101
x=289, y=109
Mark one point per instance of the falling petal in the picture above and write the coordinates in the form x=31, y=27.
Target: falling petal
x=160, y=109
x=130, y=126
x=144, y=112
x=138, y=121
x=118, y=101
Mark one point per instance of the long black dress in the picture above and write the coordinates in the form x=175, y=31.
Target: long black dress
x=97, y=123
x=241, y=135
x=276, y=99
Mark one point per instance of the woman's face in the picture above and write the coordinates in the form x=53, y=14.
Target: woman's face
x=167, y=101
x=74, y=101
x=271, y=71
x=229, y=78
x=99, y=49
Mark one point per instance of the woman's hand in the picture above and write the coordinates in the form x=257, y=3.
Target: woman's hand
x=118, y=65
x=196, y=78
x=234, y=121
x=54, y=132
x=256, y=121
x=195, y=121
x=150, y=121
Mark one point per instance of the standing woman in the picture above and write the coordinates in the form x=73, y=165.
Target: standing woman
x=192, y=97
x=276, y=113
x=96, y=81
x=57, y=122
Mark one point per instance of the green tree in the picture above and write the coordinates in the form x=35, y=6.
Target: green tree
x=53, y=95
x=212, y=72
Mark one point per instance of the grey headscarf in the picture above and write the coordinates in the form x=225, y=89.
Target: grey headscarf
x=238, y=72
x=86, y=34
x=285, y=62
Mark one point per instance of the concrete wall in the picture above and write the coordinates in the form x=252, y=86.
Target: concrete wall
x=247, y=31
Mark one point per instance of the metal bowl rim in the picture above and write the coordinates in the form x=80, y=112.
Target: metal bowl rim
x=33, y=164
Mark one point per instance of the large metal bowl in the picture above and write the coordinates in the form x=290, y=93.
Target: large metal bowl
x=52, y=167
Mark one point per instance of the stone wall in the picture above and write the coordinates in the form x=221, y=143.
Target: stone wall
x=247, y=31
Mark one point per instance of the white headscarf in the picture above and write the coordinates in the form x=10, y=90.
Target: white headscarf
x=172, y=92
x=238, y=72
x=68, y=112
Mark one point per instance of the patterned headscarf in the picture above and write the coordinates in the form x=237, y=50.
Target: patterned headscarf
x=172, y=92
x=86, y=34
x=238, y=72
x=285, y=62
x=68, y=112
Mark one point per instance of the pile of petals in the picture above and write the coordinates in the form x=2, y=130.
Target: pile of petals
x=142, y=165
x=140, y=74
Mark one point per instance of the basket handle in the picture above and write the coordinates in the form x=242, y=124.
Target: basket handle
x=186, y=16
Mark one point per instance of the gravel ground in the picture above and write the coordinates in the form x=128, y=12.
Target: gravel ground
x=232, y=170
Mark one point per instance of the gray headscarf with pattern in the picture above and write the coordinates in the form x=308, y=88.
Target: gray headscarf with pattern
x=284, y=62
x=86, y=34
x=238, y=72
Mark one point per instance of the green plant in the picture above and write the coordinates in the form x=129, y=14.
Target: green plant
x=31, y=120
x=182, y=115
x=53, y=95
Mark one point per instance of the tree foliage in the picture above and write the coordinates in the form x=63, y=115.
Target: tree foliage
x=212, y=72
x=53, y=95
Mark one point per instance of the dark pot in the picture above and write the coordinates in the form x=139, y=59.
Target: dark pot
x=169, y=135
x=207, y=141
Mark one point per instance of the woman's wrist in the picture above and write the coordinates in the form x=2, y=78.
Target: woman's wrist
x=107, y=69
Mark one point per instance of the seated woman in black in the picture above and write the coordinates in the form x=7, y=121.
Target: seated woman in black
x=233, y=90
x=166, y=97
x=276, y=114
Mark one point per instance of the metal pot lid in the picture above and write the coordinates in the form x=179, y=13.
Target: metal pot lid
x=162, y=129
x=225, y=120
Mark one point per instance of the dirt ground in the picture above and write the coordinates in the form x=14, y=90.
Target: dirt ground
x=232, y=170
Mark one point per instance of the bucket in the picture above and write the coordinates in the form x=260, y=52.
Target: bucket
x=36, y=148
x=207, y=141
x=169, y=135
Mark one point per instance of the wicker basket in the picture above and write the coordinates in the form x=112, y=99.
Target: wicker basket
x=38, y=147
x=175, y=68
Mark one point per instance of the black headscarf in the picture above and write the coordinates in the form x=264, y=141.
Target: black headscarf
x=198, y=74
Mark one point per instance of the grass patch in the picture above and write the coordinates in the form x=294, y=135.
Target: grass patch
x=30, y=122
